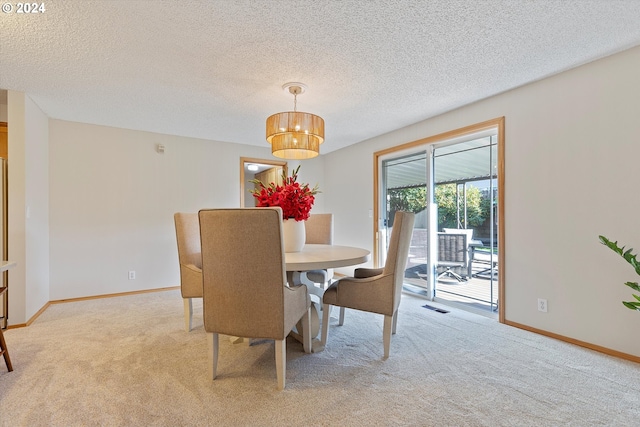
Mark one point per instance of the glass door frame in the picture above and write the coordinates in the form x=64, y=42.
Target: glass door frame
x=428, y=144
x=382, y=233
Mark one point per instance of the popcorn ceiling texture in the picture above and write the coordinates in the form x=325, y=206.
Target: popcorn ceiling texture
x=214, y=69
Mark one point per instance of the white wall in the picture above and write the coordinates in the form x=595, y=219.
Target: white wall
x=28, y=187
x=571, y=170
x=113, y=198
x=312, y=172
x=36, y=207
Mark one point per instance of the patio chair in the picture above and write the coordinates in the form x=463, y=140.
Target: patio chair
x=490, y=261
x=471, y=245
x=453, y=256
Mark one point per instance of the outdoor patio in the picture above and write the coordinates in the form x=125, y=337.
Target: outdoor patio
x=479, y=292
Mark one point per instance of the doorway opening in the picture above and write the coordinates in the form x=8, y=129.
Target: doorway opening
x=264, y=170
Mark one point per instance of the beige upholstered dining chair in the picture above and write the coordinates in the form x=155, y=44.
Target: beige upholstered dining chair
x=319, y=230
x=375, y=290
x=188, y=237
x=245, y=283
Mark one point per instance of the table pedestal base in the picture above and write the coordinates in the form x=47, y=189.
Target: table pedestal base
x=315, y=324
x=300, y=278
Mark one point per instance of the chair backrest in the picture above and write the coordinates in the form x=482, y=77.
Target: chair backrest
x=243, y=269
x=398, y=251
x=188, y=238
x=319, y=229
x=453, y=248
x=467, y=231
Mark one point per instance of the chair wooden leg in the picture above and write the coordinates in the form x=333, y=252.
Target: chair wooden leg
x=236, y=340
x=4, y=352
x=281, y=362
x=188, y=313
x=326, y=314
x=213, y=354
x=341, y=320
x=386, y=334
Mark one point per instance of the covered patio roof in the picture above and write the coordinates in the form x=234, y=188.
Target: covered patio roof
x=467, y=161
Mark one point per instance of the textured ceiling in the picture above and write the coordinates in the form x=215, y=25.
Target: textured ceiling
x=215, y=69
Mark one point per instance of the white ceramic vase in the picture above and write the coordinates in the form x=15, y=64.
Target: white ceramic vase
x=294, y=235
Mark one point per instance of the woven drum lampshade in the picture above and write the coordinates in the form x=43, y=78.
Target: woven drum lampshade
x=293, y=134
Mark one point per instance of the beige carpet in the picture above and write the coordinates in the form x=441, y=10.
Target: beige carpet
x=126, y=361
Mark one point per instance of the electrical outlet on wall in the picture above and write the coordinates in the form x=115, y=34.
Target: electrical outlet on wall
x=132, y=275
x=542, y=305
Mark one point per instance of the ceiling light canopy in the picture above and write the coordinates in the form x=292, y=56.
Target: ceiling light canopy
x=294, y=134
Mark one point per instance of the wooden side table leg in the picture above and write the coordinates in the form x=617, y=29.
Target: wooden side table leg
x=5, y=352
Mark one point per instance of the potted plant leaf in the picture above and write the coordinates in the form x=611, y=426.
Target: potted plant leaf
x=631, y=259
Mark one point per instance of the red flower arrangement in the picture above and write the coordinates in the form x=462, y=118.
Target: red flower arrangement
x=296, y=200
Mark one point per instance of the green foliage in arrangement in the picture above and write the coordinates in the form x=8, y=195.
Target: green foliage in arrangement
x=631, y=259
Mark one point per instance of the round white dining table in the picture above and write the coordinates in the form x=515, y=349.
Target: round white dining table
x=319, y=257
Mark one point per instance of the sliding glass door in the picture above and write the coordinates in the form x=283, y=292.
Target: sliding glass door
x=465, y=189
x=452, y=185
x=405, y=187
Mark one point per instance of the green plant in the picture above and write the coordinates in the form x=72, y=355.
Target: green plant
x=631, y=259
x=414, y=199
x=411, y=199
x=446, y=196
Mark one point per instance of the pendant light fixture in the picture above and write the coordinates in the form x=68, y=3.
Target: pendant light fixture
x=293, y=134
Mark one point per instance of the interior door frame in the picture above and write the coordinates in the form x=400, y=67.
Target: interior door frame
x=243, y=181
x=497, y=123
x=4, y=218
